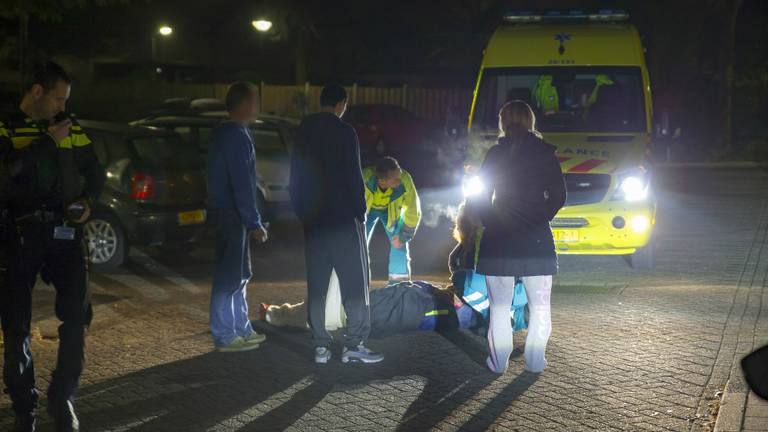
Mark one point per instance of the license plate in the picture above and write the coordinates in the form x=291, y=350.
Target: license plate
x=192, y=217
x=566, y=236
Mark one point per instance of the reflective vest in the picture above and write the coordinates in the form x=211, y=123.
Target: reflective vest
x=545, y=95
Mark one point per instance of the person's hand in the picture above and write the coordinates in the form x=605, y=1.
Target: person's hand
x=86, y=212
x=260, y=235
x=60, y=130
x=397, y=243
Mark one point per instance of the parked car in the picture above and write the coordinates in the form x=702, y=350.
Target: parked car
x=391, y=130
x=154, y=193
x=272, y=137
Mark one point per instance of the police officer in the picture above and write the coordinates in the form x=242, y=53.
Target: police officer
x=55, y=177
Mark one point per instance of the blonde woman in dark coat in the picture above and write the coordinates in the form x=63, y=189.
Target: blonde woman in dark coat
x=525, y=189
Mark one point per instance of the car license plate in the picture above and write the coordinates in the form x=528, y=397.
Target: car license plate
x=565, y=236
x=192, y=217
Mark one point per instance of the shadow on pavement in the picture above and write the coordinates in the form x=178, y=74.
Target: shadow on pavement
x=273, y=387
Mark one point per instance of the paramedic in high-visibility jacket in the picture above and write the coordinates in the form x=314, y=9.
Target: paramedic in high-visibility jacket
x=391, y=198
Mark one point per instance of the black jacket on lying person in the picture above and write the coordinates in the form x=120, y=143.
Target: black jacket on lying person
x=524, y=178
x=326, y=178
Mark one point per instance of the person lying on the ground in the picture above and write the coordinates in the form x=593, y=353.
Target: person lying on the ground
x=398, y=308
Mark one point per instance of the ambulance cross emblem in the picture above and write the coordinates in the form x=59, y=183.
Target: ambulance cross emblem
x=562, y=38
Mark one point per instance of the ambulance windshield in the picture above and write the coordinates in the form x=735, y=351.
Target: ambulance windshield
x=565, y=99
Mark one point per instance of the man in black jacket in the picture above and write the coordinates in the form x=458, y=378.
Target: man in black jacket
x=328, y=195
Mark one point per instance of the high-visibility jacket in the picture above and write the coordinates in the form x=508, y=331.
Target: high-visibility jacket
x=47, y=173
x=401, y=203
x=545, y=95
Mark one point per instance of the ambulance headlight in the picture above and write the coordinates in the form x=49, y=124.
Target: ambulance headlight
x=633, y=186
x=473, y=186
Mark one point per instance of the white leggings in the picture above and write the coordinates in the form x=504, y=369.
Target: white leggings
x=501, y=290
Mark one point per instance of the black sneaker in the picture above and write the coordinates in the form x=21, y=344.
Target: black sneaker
x=360, y=354
x=64, y=417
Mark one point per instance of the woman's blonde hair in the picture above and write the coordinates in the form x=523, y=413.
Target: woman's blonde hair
x=516, y=119
x=466, y=226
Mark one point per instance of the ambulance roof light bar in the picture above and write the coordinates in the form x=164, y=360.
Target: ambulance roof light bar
x=601, y=15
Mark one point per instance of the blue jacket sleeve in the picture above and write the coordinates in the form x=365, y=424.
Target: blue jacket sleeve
x=242, y=173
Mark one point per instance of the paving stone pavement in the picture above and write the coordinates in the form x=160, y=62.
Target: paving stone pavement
x=637, y=351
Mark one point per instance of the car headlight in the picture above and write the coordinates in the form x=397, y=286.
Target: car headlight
x=472, y=186
x=633, y=186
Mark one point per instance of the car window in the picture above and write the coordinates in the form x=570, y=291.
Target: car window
x=204, y=138
x=117, y=148
x=99, y=143
x=185, y=132
x=165, y=151
x=266, y=139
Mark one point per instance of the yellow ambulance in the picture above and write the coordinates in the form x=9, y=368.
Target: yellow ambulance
x=584, y=75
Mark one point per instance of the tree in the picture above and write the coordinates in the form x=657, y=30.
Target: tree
x=45, y=10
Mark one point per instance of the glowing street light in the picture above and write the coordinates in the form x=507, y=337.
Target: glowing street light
x=165, y=30
x=262, y=25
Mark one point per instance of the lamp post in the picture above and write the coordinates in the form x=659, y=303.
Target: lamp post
x=162, y=31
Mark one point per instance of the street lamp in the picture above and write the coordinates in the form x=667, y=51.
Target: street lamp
x=163, y=31
x=262, y=25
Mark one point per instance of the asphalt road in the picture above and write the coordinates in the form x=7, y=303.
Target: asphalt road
x=630, y=350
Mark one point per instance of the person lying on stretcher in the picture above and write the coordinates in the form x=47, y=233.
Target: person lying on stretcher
x=419, y=305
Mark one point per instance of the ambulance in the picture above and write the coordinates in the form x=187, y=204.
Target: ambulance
x=584, y=75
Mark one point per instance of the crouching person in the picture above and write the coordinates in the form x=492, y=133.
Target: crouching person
x=391, y=198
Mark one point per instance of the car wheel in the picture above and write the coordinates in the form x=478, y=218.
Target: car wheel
x=644, y=258
x=106, y=242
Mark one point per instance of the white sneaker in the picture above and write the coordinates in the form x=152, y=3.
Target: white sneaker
x=360, y=354
x=322, y=355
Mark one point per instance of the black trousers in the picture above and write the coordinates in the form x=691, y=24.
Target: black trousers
x=340, y=247
x=33, y=249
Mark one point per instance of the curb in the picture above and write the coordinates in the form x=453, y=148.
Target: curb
x=732, y=407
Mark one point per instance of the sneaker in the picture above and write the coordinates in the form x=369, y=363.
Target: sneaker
x=322, y=355
x=360, y=354
x=255, y=338
x=237, y=345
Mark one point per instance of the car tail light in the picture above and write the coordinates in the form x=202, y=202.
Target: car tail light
x=142, y=186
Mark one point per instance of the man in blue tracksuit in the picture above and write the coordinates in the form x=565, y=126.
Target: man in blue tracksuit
x=232, y=204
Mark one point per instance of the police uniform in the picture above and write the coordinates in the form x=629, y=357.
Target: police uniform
x=43, y=178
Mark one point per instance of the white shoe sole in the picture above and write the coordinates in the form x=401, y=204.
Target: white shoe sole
x=360, y=360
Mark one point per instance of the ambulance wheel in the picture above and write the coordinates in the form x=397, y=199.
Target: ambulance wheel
x=644, y=258
x=107, y=245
